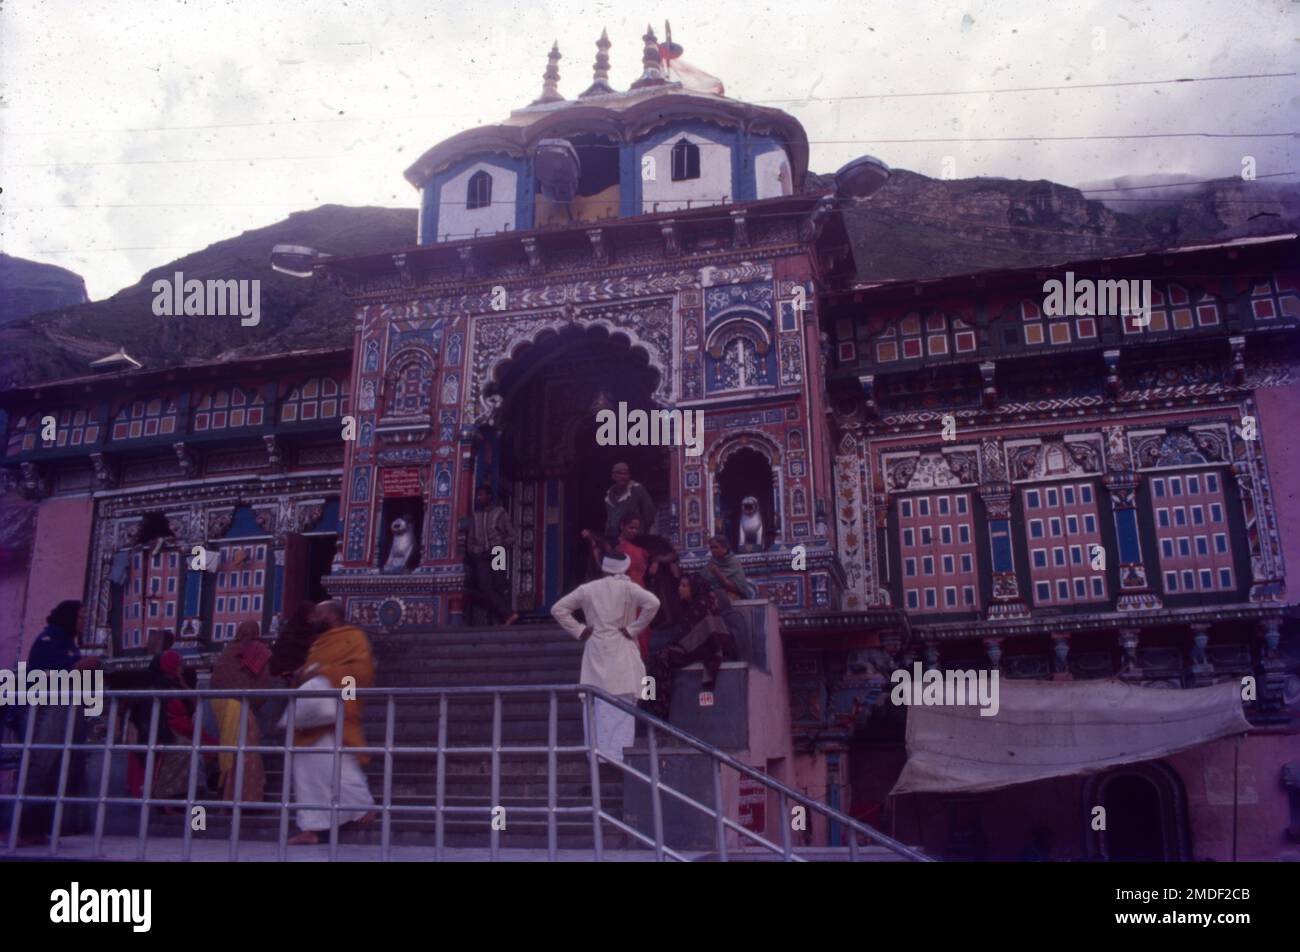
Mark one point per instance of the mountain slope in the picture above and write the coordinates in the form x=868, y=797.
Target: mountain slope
x=30, y=287
x=914, y=227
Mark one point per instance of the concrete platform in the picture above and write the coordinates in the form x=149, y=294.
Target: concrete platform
x=167, y=850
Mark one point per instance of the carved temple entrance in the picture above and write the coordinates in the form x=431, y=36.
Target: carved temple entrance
x=542, y=455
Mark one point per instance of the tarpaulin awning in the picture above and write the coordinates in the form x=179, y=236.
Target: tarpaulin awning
x=1048, y=729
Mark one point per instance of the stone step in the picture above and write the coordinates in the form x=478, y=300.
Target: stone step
x=415, y=678
x=559, y=644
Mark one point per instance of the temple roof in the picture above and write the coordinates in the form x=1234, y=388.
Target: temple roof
x=654, y=100
x=622, y=116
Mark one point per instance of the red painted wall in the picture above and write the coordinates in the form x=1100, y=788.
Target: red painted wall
x=60, y=553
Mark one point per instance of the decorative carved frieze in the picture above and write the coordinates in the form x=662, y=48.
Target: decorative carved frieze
x=32, y=481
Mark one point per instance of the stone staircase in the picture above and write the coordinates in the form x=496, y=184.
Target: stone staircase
x=519, y=655
x=745, y=721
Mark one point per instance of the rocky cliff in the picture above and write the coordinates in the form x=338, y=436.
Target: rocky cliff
x=30, y=287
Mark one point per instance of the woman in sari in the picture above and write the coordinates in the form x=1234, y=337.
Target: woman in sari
x=726, y=572
x=702, y=635
x=175, y=726
x=243, y=664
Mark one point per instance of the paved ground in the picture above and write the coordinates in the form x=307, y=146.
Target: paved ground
x=125, y=848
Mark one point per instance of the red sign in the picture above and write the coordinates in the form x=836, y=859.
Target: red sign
x=404, y=481
x=753, y=805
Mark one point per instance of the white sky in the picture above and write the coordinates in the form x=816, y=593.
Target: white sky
x=342, y=97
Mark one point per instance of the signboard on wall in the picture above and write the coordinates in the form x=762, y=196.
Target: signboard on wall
x=753, y=805
x=400, y=481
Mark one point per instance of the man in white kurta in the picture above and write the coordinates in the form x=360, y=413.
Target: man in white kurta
x=616, y=610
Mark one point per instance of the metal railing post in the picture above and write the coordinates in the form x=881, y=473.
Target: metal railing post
x=440, y=783
x=286, y=779
x=385, y=828
x=236, y=810
x=192, y=785
x=65, y=762
x=783, y=808
x=656, y=802
x=494, y=834
x=336, y=791
x=151, y=743
x=105, y=770
x=597, y=843
x=719, y=828
x=552, y=741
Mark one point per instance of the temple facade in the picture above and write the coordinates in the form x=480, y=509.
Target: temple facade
x=652, y=249
x=944, y=472
x=187, y=499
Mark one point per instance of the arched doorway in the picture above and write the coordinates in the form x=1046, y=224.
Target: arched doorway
x=747, y=491
x=552, y=471
x=1146, y=814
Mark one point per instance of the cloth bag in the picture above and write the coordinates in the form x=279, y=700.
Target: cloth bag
x=313, y=711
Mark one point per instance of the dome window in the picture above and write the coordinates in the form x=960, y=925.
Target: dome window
x=686, y=161
x=479, y=194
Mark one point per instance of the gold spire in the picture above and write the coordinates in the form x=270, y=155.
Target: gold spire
x=651, y=62
x=600, y=69
x=551, y=78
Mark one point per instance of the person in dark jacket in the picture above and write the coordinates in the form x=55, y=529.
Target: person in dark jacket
x=55, y=649
x=488, y=529
x=626, y=497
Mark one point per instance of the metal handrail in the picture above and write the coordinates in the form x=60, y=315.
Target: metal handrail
x=119, y=701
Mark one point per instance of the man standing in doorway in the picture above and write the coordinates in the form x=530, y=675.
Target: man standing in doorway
x=616, y=610
x=626, y=497
x=489, y=527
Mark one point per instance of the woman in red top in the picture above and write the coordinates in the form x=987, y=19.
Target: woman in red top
x=629, y=528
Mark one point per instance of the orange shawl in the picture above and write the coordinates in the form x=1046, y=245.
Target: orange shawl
x=338, y=653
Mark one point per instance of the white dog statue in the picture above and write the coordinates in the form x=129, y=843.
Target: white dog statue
x=403, y=548
x=751, y=524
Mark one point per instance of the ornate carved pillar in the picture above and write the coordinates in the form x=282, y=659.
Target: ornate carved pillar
x=1129, y=669
x=32, y=482
x=1202, y=671
x=1121, y=481
x=993, y=648
x=1061, y=657
x=1113, y=380
x=464, y=506
x=1261, y=530
x=995, y=490
x=1272, y=666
